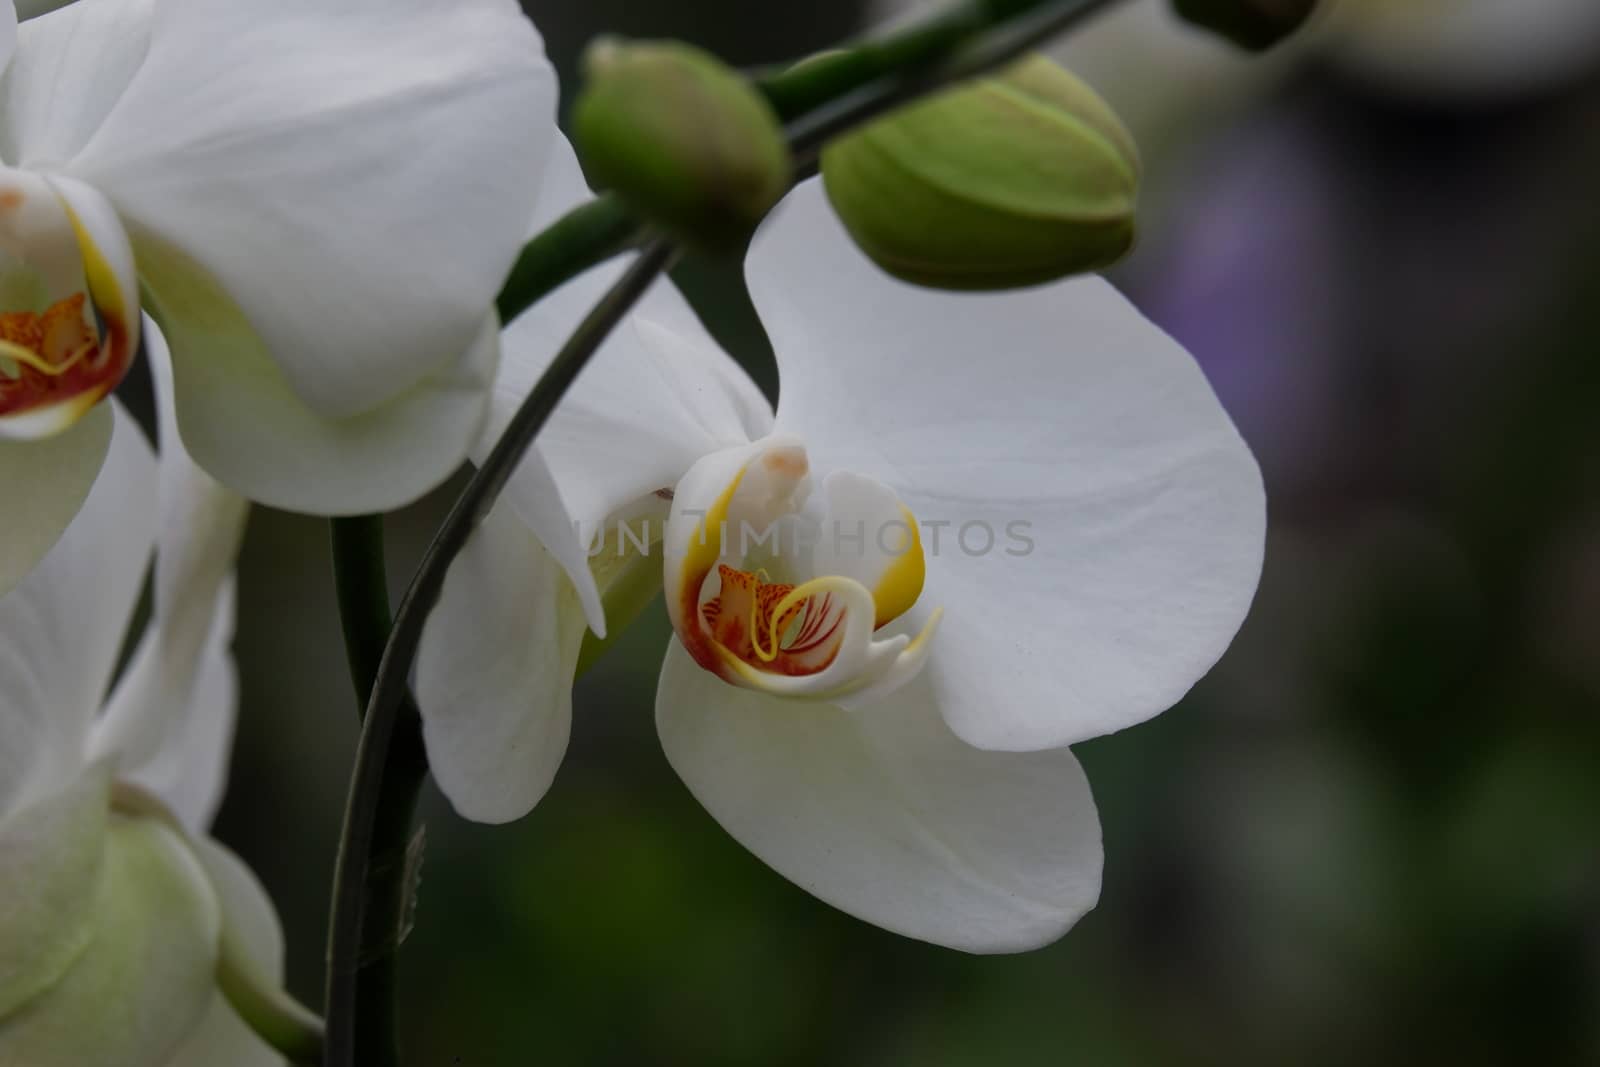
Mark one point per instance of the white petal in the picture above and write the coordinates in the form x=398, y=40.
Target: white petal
x=533, y=496
x=887, y=815
x=657, y=396
x=1103, y=520
x=358, y=179
x=62, y=628
x=70, y=69
x=187, y=766
x=44, y=483
x=494, y=673
x=147, y=976
x=8, y=34
x=869, y=536
x=50, y=857
x=222, y=1039
x=159, y=716
x=243, y=423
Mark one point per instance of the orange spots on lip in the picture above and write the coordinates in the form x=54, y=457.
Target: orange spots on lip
x=11, y=199
x=57, y=356
x=803, y=640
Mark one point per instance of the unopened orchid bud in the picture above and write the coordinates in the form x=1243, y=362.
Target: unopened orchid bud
x=684, y=139
x=1253, y=24
x=1014, y=180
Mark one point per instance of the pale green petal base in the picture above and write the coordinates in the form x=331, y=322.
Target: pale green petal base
x=147, y=976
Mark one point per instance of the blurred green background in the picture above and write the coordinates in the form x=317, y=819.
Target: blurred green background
x=1372, y=835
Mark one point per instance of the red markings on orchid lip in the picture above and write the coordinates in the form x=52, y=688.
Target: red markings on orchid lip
x=51, y=358
x=750, y=620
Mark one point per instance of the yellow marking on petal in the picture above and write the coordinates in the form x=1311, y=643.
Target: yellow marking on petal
x=28, y=358
x=104, y=286
x=705, y=548
x=56, y=365
x=805, y=595
x=926, y=633
x=901, y=584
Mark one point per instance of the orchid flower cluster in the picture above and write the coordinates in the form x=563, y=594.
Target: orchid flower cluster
x=994, y=512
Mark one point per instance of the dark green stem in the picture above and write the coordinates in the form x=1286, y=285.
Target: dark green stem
x=588, y=234
x=1004, y=31
x=361, y=580
x=363, y=936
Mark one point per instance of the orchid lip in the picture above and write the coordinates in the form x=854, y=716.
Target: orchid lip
x=68, y=328
x=812, y=632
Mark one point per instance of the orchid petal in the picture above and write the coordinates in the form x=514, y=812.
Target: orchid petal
x=357, y=182
x=533, y=496
x=494, y=672
x=885, y=814
x=8, y=35
x=62, y=628
x=43, y=483
x=245, y=426
x=1102, y=522
x=657, y=396
x=222, y=1038
x=50, y=861
x=70, y=69
x=157, y=715
x=191, y=744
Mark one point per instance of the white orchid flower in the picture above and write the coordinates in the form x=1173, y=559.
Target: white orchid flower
x=113, y=905
x=318, y=200
x=911, y=771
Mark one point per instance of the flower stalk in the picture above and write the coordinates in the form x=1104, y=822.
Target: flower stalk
x=362, y=941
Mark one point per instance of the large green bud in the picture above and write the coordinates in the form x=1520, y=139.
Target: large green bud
x=1014, y=180
x=1253, y=24
x=683, y=139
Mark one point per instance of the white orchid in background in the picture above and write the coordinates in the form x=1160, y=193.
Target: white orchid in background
x=318, y=199
x=909, y=770
x=113, y=905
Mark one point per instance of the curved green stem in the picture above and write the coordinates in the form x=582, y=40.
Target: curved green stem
x=361, y=580
x=285, y=1024
x=588, y=234
x=998, y=31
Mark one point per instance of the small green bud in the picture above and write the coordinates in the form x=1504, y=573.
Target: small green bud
x=1253, y=24
x=1014, y=180
x=685, y=140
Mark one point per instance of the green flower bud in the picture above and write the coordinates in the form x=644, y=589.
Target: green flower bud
x=145, y=972
x=1014, y=180
x=1253, y=24
x=685, y=140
